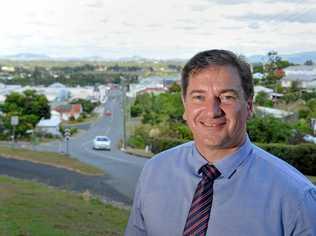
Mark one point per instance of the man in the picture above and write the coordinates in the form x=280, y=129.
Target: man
x=221, y=184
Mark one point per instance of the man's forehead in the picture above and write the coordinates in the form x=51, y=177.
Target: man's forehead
x=214, y=69
x=225, y=75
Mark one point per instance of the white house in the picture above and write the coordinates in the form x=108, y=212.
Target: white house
x=277, y=113
x=303, y=75
x=49, y=126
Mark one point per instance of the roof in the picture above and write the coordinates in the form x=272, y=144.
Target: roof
x=274, y=112
x=299, y=77
x=301, y=69
x=259, y=88
x=57, y=85
x=52, y=122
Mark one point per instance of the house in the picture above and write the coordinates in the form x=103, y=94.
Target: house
x=303, y=81
x=49, y=126
x=277, y=113
x=259, y=88
x=152, y=90
x=67, y=111
x=303, y=75
x=258, y=75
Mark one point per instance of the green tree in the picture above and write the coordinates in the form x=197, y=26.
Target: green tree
x=87, y=105
x=262, y=99
x=175, y=88
x=269, y=130
x=29, y=106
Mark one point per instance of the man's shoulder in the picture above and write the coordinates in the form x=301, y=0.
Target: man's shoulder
x=173, y=153
x=169, y=158
x=280, y=172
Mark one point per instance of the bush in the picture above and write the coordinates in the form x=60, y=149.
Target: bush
x=136, y=141
x=161, y=144
x=302, y=156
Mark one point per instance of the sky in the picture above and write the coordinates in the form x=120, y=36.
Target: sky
x=161, y=29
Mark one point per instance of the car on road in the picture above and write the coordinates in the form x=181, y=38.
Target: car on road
x=108, y=113
x=102, y=142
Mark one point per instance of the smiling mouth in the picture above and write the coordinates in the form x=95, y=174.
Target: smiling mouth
x=212, y=125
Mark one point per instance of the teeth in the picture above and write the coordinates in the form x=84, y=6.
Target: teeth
x=209, y=125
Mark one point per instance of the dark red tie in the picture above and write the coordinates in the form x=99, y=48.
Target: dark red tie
x=199, y=214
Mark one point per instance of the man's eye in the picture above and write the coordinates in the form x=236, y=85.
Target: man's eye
x=198, y=98
x=227, y=98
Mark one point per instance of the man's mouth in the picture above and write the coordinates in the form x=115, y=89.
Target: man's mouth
x=212, y=124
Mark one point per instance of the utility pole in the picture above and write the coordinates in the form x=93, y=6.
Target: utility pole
x=124, y=112
x=14, y=123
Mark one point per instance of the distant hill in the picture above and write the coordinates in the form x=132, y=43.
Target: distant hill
x=297, y=58
x=26, y=57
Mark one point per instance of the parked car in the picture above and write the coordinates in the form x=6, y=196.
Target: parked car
x=102, y=142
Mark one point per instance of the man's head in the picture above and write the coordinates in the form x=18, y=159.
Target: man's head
x=217, y=94
x=217, y=57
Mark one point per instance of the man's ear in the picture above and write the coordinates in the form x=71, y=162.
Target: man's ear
x=184, y=116
x=249, y=107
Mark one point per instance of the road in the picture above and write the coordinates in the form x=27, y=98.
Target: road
x=123, y=169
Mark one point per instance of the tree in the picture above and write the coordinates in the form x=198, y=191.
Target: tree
x=174, y=88
x=309, y=63
x=87, y=105
x=29, y=106
x=269, y=130
x=273, y=67
x=262, y=99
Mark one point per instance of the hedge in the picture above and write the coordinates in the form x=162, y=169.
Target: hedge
x=302, y=156
x=161, y=144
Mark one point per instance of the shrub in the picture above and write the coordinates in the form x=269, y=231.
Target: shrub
x=161, y=144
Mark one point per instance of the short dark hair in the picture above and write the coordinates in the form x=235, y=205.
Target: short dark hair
x=218, y=57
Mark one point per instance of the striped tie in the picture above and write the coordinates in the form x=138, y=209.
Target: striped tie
x=199, y=214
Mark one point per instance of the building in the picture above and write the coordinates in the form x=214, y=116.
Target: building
x=66, y=111
x=152, y=90
x=49, y=126
x=277, y=113
x=303, y=76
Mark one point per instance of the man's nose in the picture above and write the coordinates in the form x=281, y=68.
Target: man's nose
x=213, y=108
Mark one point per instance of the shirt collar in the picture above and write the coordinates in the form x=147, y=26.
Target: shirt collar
x=226, y=166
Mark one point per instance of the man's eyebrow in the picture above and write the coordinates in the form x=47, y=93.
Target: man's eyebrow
x=197, y=91
x=229, y=91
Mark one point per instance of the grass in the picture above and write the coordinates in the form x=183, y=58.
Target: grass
x=29, y=208
x=50, y=158
x=139, y=152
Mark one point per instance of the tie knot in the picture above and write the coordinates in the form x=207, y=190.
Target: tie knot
x=210, y=172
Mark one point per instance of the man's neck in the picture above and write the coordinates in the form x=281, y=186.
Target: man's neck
x=213, y=154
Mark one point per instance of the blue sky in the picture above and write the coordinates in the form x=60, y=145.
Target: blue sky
x=155, y=29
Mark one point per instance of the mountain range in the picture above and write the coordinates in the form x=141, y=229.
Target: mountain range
x=297, y=58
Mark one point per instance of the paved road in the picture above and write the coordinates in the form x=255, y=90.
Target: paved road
x=122, y=169
x=58, y=177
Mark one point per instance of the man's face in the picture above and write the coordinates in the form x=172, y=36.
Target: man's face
x=216, y=109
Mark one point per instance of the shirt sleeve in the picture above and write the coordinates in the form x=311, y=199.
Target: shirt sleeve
x=136, y=225
x=304, y=222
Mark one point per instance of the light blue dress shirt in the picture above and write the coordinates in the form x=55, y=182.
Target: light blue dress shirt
x=257, y=194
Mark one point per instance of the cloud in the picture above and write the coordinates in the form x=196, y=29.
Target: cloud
x=254, y=25
x=236, y=2
x=307, y=16
x=95, y=4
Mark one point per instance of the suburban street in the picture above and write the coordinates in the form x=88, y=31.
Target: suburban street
x=121, y=169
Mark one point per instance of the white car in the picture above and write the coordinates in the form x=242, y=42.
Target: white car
x=102, y=142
